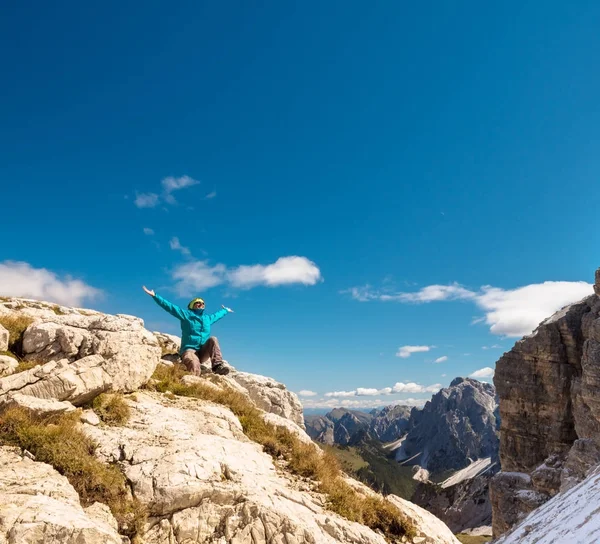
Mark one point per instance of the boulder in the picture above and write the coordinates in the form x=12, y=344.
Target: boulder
x=39, y=506
x=130, y=352
x=8, y=365
x=271, y=396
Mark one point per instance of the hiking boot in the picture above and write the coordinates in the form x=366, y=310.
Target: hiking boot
x=222, y=368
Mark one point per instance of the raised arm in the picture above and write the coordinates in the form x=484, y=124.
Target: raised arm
x=219, y=314
x=174, y=310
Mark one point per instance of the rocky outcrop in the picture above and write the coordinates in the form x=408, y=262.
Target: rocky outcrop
x=78, y=382
x=457, y=426
x=548, y=386
x=203, y=480
x=38, y=505
x=571, y=516
x=129, y=352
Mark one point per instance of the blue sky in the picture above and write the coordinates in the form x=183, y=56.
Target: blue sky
x=352, y=179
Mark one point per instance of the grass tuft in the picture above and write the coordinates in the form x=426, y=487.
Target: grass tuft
x=15, y=325
x=58, y=441
x=302, y=459
x=27, y=365
x=112, y=409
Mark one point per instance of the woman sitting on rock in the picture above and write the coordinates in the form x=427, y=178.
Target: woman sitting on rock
x=197, y=345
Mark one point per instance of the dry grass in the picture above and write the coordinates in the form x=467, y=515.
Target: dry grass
x=27, y=365
x=302, y=459
x=15, y=325
x=8, y=354
x=59, y=442
x=57, y=310
x=112, y=409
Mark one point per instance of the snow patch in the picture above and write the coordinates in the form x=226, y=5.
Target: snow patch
x=572, y=516
x=474, y=469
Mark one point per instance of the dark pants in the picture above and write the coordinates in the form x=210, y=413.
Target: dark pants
x=193, y=359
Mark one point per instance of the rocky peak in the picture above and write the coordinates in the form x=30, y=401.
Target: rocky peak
x=457, y=426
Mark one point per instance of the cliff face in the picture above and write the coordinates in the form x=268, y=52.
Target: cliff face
x=548, y=386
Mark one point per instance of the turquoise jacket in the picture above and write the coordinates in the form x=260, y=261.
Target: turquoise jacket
x=195, y=324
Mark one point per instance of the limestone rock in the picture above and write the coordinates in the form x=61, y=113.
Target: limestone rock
x=39, y=506
x=77, y=382
x=8, y=365
x=40, y=407
x=271, y=396
x=90, y=417
x=3, y=339
x=130, y=352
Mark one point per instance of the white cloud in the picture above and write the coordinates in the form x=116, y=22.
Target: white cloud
x=508, y=312
x=337, y=394
x=442, y=359
x=362, y=403
x=210, y=195
x=146, y=200
x=175, y=244
x=410, y=387
x=20, y=279
x=198, y=275
x=284, y=271
x=495, y=346
x=517, y=312
x=407, y=351
x=486, y=372
x=433, y=388
x=371, y=392
x=444, y=375
x=306, y=393
x=148, y=232
x=171, y=184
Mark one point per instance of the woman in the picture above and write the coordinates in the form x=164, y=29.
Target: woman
x=197, y=345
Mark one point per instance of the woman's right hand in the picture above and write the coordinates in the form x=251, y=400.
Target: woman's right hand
x=149, y=291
